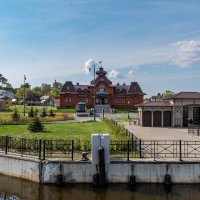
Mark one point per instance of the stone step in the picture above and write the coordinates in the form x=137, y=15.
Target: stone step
x=98, y=108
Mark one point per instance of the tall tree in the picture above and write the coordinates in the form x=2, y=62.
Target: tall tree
x=46, y=89
x=3, y=80
x=167, y=94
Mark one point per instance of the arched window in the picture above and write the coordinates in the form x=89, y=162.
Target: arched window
x=101, y=88
x=68, y=100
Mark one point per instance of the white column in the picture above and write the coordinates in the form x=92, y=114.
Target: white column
x=152, y=118
x=162, y=123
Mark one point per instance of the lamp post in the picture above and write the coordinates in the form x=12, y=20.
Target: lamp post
x=92, y=67
x=24, y=94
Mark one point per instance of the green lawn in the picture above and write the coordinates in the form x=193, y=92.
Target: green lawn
x=59, y=131
x=126, y=111
x=20, y=109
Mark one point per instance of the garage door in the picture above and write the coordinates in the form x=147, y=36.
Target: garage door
x=167, y=119
x=146, y=118
x=157, y=119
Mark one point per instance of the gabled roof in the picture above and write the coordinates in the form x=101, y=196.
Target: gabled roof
x=121, y=88
x=186, y=95
x=101, y=76
x=68, y=87
x=81, y=88
x=135, y=88
x=155, y=104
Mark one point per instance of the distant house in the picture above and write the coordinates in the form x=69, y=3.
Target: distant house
x=179, y=110
x=157, y=98
x=46, y=101
x=6, y=95
x=56, y=102
x=2, y=104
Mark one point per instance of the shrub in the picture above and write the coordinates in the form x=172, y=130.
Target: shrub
x=51, y=113
x=36, y=112
x=31, y=112
x=44, y=112
x=15, y=115
x=35, y=125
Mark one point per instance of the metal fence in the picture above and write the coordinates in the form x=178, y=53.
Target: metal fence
x=156, y=149
x=41, y=149
x=119, y=149
x=194, y=129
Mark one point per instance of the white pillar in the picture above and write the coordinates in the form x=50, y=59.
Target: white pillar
x=162, y=123
x=152, y=118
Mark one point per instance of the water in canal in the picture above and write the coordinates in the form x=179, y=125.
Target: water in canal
x=17, y=189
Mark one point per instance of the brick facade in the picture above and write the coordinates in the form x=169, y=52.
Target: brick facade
x=117, y=96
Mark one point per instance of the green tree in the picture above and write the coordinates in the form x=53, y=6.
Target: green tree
x=167, y=94
x=44, y=112
x=3, y=80
x=31, y=112
x=37, y=92
x=46, y=89
x=51, y=113
x=15, y=115
x=35, y=125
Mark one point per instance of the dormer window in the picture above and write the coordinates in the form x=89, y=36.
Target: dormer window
x=68, y=88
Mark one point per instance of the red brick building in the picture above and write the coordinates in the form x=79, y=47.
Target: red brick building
x=117, y=96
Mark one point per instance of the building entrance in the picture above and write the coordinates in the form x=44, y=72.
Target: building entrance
x=101, y=101
x=196, y=115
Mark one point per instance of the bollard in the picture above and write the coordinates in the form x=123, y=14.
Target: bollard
x=132, y=182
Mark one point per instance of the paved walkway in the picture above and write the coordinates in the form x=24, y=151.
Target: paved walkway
x=156, y=133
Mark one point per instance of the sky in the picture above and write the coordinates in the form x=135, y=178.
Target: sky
x=154, y=42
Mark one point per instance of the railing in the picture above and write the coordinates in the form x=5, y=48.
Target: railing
x=38, y=148
x=119, y=149
x=156, y=149
x=194, y=129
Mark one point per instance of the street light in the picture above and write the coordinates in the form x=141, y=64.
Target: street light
x=24, y=94
x=92, y=67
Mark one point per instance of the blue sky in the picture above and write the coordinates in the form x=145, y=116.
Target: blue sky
x=154, y=42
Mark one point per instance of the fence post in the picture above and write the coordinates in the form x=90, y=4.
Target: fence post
x=44, y=148
x=140, y=148
x=6, y=144
x=128, y=151
x=154, y=150
x=22, y=145
x=40, y=149
x=72, y=149
x=180, y=150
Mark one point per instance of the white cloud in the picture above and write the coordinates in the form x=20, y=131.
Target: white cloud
x=89, y=64
x=184, y=53
x=131, y=73
x=115, y=74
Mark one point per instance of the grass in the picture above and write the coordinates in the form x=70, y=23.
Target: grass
x=126, y=111
x=60, y=131
x=20, y=109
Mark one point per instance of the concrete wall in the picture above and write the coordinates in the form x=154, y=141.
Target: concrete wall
x=116, y=172
x=20, y=167
x=119, y=172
